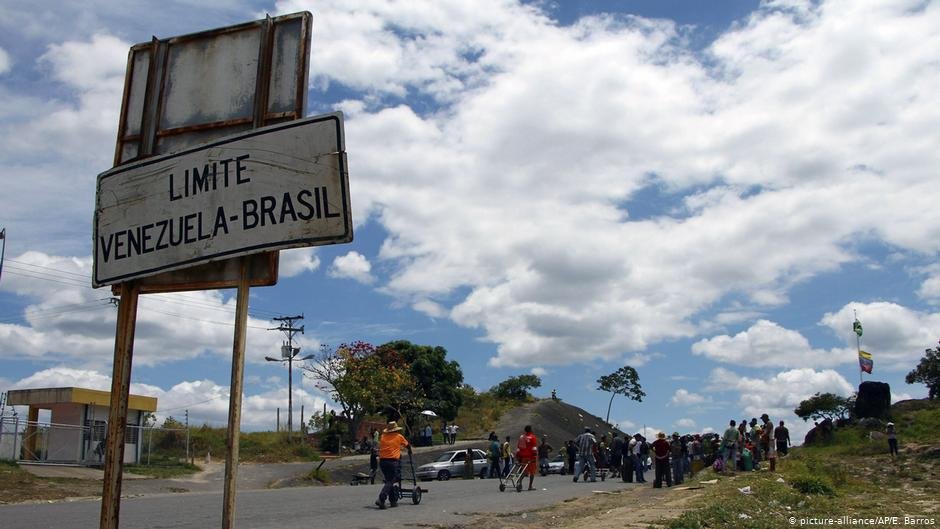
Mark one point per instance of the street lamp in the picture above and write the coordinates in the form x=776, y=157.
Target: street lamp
x=289, y=354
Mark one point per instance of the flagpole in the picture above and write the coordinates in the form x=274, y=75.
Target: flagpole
x=3, y=237
x=856, y=326
x=858, y=345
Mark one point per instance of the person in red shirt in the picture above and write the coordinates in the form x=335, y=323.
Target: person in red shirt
x=390, y=445
x=661, y=450
x=526, y=453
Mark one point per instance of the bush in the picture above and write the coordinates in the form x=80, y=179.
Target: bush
x=812, y=485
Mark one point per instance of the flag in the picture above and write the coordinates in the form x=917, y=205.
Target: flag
x=857, y=327
x=3, y=234
x=865, y=362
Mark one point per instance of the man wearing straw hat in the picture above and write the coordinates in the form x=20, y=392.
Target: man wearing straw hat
x=390, y=445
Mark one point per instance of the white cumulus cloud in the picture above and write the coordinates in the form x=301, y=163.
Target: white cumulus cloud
x=296, y=261
x=353, y=266
x=766, y=343
x=684, y=397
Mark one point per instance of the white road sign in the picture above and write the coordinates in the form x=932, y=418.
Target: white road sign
x=272, y=188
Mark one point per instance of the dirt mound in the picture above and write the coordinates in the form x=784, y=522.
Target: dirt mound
x=559, y=420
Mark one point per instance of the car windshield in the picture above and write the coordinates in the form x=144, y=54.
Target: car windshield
x=445, y=457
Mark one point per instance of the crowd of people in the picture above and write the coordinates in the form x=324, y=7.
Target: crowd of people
x=743, y=446
x=672, y=458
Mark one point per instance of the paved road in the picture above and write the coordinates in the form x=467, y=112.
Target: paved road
x=338, y=507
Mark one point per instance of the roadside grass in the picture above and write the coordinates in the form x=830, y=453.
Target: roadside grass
x=18, y=485
x=254, y=447
x=318, y=475
x=853, y=476
x=274, y=447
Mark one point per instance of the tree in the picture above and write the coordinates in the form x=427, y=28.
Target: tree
x=825, y=406
x=516, y=388
x=437, y=379
x=362, y=379
x=927, y=372
x=624, y=381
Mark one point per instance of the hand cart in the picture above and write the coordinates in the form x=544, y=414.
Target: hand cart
x=415, y=492
x=514, y=477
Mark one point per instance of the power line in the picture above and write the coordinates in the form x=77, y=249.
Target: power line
x=61, y=309
x=45, y=278
x=56, y=270
x=191, y=404
x=202, y=321
x=191, y=301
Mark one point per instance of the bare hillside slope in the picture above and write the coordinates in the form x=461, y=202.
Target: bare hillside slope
x=559, y=420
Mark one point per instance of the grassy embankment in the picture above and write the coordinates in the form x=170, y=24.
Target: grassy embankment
x=852, y=476
x=480, y=413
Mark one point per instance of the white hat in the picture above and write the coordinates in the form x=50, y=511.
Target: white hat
x=392, y=427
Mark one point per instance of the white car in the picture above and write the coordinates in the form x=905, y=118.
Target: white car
x=556, y=465
x=452, y=464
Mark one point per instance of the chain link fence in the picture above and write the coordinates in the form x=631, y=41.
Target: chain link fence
x=45, y=442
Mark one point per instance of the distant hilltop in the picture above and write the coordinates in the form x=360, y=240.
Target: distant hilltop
x=560, y=421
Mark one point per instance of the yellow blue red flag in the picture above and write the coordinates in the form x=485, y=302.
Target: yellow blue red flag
x=865, y=362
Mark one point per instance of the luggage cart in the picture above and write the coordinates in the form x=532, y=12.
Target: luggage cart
x=415, y=492
x=514, y=477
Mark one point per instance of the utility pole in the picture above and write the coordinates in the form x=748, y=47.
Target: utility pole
x=187, y=436
x=289, y=354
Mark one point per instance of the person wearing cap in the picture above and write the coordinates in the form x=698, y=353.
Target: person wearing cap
x=390, y=445
x=585, y=445
x=768, y=436
x=661, y=448
x=729, y=446
x=892, y=440
x=675, y=452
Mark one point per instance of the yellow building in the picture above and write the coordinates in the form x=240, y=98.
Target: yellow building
x=76, y=431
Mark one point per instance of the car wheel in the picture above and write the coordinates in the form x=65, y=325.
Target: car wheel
x=443, y=475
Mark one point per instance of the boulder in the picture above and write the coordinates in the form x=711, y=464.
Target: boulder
x=822, y=432
x=874, y=400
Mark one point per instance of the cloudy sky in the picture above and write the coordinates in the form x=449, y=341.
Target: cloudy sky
x=707, y=191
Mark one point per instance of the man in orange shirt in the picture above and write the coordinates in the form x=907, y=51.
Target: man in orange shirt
x=390, y=445
x=526, y=452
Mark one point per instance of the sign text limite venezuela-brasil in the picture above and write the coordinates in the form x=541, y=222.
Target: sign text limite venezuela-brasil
x=277, y=187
